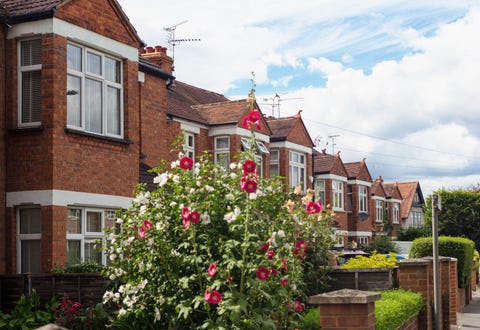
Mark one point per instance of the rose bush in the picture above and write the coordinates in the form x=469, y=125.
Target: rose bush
x=216, y=248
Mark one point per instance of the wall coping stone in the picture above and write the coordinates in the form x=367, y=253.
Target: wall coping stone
x=344, y=296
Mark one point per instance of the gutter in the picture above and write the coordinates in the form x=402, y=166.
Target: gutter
x=144, y=67
x=32, y=16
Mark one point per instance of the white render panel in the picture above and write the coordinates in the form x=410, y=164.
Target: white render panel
x=66, y=198
x=292, y=146
x=360, y=182
x=230, y=130
x=360, y=233
x=74, y=33
x=331, y=176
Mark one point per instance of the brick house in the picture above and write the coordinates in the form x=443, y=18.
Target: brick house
x=330, y=182
x=411, y=213
x=393, y=206
x=358, y=195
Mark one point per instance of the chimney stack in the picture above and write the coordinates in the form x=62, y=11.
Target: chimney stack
x=158, y=56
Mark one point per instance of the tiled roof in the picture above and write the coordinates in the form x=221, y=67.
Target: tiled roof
x=353, y=169
x=27, y=7
x=391, y=190
x=323, y=162
x=407, y=189
x=181, y=98
x=377, y=188
x=223, y=112
x=281, y=127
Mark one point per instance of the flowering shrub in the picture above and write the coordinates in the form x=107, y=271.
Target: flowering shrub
x=215, y=248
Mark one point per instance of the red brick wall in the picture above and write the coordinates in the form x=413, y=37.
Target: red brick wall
x=2, y=151
x=100, y=16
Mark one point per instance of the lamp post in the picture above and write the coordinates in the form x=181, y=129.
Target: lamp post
x=436, y=206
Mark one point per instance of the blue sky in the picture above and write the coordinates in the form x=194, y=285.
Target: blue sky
x=395, y=82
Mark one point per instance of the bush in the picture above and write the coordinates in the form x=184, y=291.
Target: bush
x=456, y=247
x=311, y=320
x=396, y=307
x=381, y=244
x=80, y=268
x=411, y=233
x=374, y=261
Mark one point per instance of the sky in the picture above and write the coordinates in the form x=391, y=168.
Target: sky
x=393, y=81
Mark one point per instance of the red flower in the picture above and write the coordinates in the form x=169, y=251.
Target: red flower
x=247, y=185
x=229, y=278
x=313, y=207
x=284, y=263
x=185, y=212
x=270, y=254
x=212, y=297
x=263, y=273
x=298, y=306
x=300, y=248
x=186, y=163
x=265, y=247
x=185, y=223
x=273, y=271
x=147, y=224
x=284, y=282
x=252, y=120
x=141, y=232
x=249, y=167
x=194, y=217
x=212, y=270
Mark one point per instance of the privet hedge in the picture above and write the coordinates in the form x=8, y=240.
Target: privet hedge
x=455, y=247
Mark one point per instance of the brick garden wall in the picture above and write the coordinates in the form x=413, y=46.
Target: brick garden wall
x=2, y=151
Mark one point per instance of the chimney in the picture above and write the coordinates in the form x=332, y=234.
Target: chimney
x=157, y=55
x=324, y=151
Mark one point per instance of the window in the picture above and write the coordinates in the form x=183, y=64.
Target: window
x=363, y=241
x=259, y=161
x=29, y=236
x=222, y=151
x=94, y=92
x=337, y=191
x=189, y=146
x=85, y=234
x=297, y=169
x=349, y=198
x=379, y=211
x=30, y=82
x=320, y=191
x=362, y=199
x=260, y=149
x=274, y=163
x=396, y=212
x=417, y=218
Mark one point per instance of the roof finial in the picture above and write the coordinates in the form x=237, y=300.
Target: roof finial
x=298, y=114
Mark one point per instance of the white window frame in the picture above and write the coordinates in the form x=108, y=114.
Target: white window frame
x=320, y=191
x=275, y=160
x=26, y=237
x=21, y=71
x=363, y=240
x=378, y=210
x=89, y=237
x=338, y=195
x=222, y=153
x=362, y=199
x=293, y=180
x=396, y=212
x=189, y=148
x=83, y=76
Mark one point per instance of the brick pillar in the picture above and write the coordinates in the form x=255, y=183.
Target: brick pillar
x=346, y=309
x=417, y=275
x=449, y=289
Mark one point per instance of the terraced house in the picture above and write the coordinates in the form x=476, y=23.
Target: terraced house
x=87, y=109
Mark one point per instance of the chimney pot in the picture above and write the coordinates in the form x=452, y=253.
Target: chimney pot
x=150, y=49
x=142, y=50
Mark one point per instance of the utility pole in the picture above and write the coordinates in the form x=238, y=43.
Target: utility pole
x=436, y=206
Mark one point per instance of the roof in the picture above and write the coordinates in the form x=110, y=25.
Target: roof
x=353, y=169
x=145, y=65
x=181, y=98
x=377, y=188
x=223, y=112
x=281, y=127
x=392, y=191
x=324, y=163
x=17, y=8
x=407, y=190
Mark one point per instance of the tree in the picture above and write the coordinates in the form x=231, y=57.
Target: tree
x=460, y=213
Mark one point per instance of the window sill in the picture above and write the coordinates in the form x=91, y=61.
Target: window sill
x=101, y=137
x=26, y=129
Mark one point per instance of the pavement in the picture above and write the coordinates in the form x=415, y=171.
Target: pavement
x=469, y=317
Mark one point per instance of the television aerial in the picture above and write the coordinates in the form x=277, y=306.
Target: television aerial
x=172, y=41
x=276, y=100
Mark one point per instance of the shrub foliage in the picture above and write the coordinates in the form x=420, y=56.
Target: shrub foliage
x=396, y=307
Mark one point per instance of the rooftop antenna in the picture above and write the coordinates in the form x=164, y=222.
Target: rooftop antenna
x=276, y=103
x=172, y=42
x=332, y=137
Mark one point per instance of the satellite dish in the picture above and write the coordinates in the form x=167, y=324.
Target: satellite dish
x=362, y=216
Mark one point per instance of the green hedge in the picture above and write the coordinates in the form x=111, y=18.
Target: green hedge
x=455, y=247
x=396, y=307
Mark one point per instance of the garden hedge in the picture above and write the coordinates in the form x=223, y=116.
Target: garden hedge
x=456, y=247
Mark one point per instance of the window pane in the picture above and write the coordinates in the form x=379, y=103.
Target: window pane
x=223, y=159
x=74, y=57
x=31, y=96
x=274, y=170
x=94, y=222
x=30, y=221
x=273, y=155
x=74, y=97
x=93, y=252
x=112, y=70
x=74, y=221
x=110, y=218
x=113, y=111
x=73, y=252
x=94, y=64
x=31, y=256
x=93, y=106
x=31, y=52
x=222, y=143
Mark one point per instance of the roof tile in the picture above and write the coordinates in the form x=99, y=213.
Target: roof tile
x=26, y=7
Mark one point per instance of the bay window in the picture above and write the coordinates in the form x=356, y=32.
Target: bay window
x=362, y=199
x=297, y=169
x=396, y=212
x=94, y=92
x=379, y=211
x=337, y=191
x=274, y=163
x=222, y=151
x=189, y=146
x=320, y=191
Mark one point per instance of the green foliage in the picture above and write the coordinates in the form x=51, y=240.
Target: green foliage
x=456, y=247
x=459, y=215
x=260, y=248
x=396, y=307
x=411, y=233
x=87, y=267
x=26, y=315
x=376, y=260
x=381, y=244
x=311, y=320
